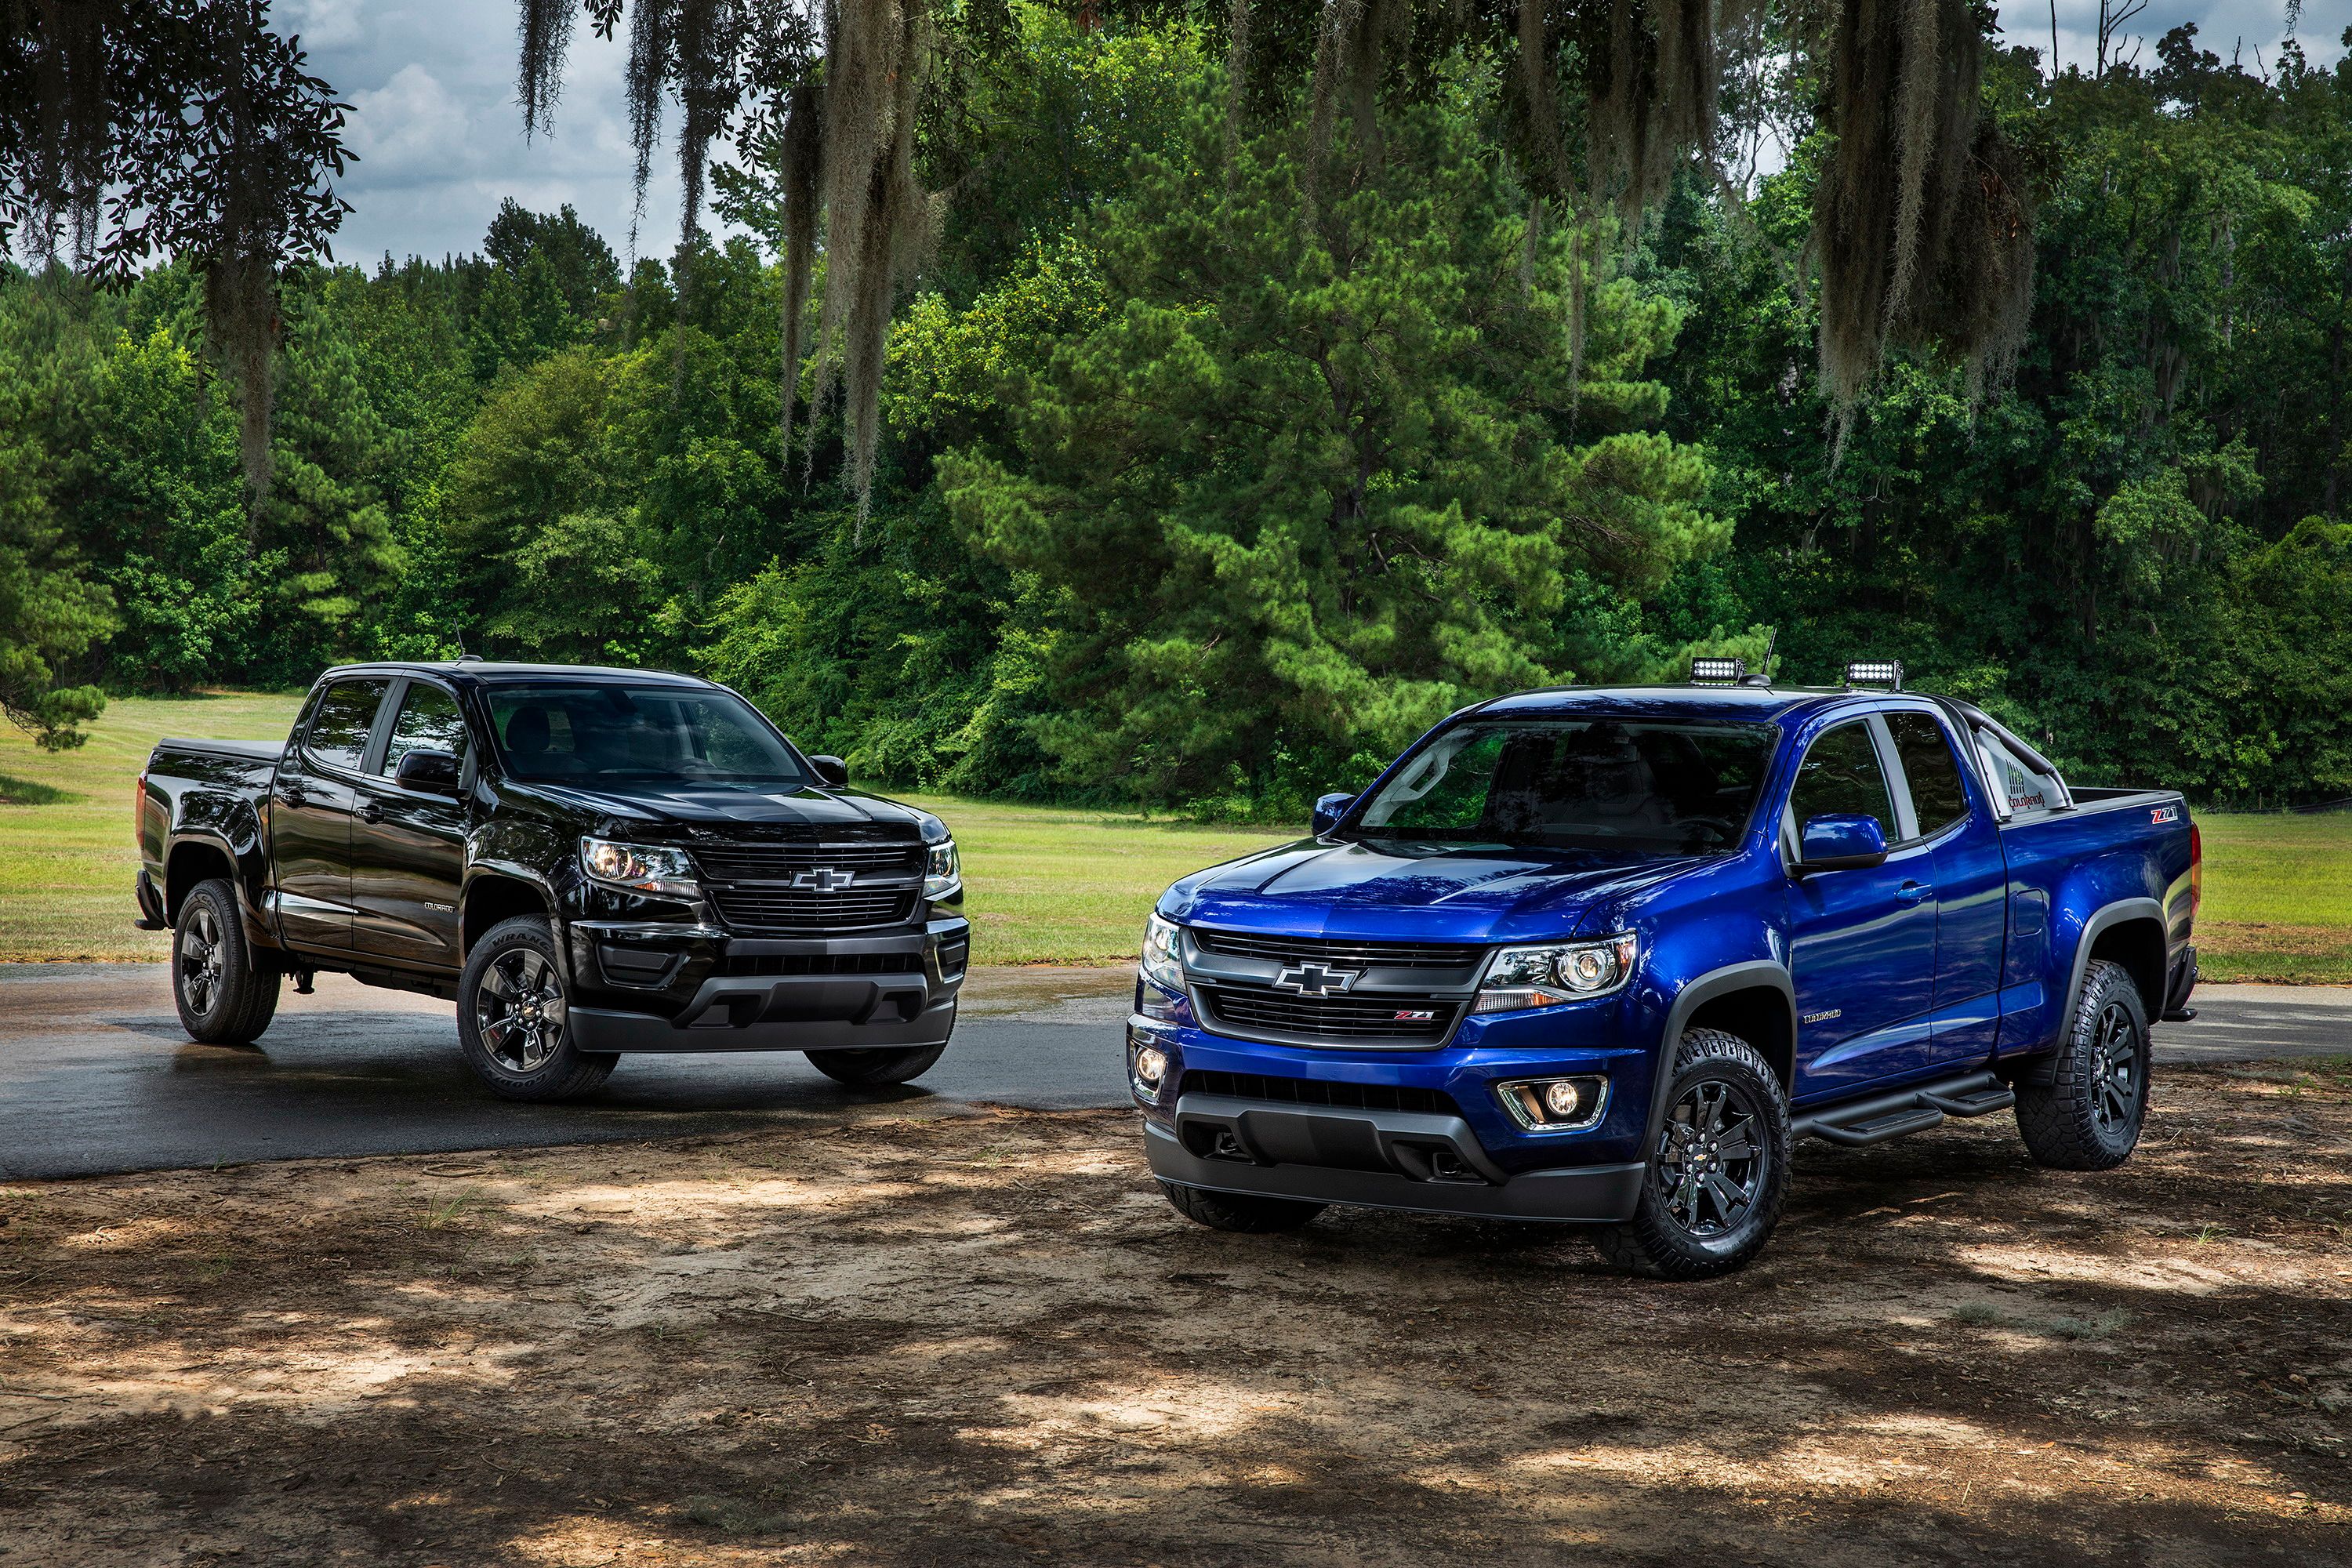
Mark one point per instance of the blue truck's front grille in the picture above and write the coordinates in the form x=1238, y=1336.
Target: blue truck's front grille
x=1314, y=1092
x=1332, y=950
x=1386, y=1019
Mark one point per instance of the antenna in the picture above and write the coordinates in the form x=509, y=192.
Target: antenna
x=1763, y=676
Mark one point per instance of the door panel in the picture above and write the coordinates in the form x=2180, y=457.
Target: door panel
x=408, y=848
x=1971, y=890
x=311, y=817
x=1862, y=943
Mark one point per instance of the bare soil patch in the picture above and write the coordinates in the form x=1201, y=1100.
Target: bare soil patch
x=985, y=1339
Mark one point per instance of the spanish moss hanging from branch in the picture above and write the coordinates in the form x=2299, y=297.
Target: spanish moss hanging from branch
x=133, y=130
x=835, y=97
x=1920, y=225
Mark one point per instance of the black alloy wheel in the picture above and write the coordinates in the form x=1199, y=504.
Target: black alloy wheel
x=225, y=993
x=2080, y=1108
x=519, y=1008
x=203, y=958
x=1718, y=1172
x=2118, y=1066
x=1710, y=1163
x=514, y=1017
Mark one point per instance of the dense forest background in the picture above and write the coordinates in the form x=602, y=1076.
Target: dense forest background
x=1183, y=502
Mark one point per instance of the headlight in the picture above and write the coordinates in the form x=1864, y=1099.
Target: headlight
x=639, y=867
x=1163, y=962
x=942, y=872
x=1557, y=972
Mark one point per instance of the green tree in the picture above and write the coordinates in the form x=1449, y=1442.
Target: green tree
x=1314, y=484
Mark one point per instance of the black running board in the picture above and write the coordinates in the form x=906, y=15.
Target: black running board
x=1859, y=1123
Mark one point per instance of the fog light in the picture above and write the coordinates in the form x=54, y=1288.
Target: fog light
x=1151, y=1066
x=1557, y=1104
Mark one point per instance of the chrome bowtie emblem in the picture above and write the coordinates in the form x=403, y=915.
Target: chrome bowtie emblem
x=1315, y=980
x=825, y=880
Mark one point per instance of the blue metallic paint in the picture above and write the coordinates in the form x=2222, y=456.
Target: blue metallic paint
x=1984, y=959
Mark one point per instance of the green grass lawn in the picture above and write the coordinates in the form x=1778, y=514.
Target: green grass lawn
x=1048, y=884
x=2278, y=898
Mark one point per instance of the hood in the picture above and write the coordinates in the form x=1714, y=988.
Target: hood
x=1425, y=893
x=688, y=812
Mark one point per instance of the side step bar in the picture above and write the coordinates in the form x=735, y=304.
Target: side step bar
x=1859, y=1123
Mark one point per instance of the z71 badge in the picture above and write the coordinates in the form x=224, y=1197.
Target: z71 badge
x=2164, y=814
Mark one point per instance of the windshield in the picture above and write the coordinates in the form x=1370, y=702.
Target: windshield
x=577, y=732
x=1652, y=787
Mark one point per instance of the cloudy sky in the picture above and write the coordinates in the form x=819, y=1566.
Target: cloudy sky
x=432, y=88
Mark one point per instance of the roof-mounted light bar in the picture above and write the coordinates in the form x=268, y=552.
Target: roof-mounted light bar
x=1717, y=671
x=1886, y=673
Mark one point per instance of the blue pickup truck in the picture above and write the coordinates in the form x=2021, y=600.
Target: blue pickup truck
x=1603, y=955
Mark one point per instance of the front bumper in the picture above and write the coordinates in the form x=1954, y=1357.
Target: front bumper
x=660, y=987
x=1424, y=1129
x=1392, y=1160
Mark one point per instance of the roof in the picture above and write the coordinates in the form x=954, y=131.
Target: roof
x=1753, y=703
x=486, y=669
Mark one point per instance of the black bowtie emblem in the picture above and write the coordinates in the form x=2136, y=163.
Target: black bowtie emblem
x=825, y=880
x=1316, y=980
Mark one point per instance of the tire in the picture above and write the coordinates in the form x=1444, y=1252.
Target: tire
x=1244, y=1212
x=872, y=1069
x=2088, y=1117
x=511, y=1007
x=1710, y=1198
x=224, y=995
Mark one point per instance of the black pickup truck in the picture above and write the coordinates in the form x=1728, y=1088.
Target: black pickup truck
x=587, y=861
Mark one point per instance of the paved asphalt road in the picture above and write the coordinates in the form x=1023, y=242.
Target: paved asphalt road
x=95, y=1075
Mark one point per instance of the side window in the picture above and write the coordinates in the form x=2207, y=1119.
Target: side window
x=339, y=731
x=429, y=721
x=2025, y=790
x=1932, y=773
x=1841, y=777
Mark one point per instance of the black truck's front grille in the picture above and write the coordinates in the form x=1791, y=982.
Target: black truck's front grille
x=824, y=963
x=1390, y=1018
x=782, y=862
x=1331, y=949
x=1314, y=1091
x=748, y=906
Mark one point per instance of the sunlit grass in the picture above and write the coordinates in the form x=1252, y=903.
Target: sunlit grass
x=2278, y=897
x=66, y=860
x=1047, y=884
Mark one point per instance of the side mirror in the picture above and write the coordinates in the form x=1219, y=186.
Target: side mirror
x=427, y=772
x=1328, y=810
x=1840, y=843
x=831, y=771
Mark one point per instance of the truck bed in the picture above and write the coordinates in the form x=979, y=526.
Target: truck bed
x=245, y=767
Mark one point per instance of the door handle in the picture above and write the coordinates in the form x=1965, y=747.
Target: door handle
x=1912, y=892
x=368, y=811
x=293, y=797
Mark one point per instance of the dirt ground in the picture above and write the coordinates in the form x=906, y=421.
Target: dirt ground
x=984, y=1339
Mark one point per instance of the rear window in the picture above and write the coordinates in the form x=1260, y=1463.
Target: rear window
x=339, y=731
x=2024, y=790
x=1930, y=769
